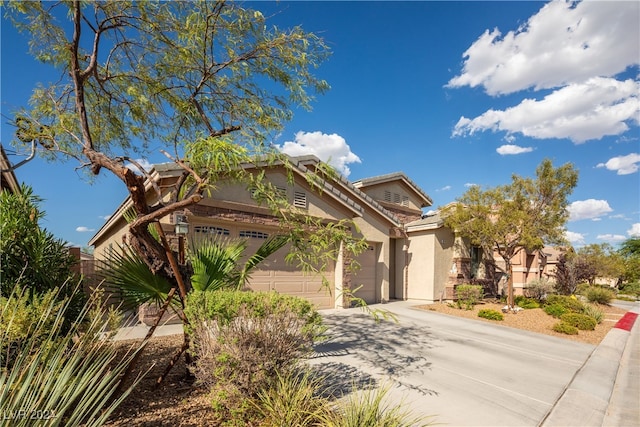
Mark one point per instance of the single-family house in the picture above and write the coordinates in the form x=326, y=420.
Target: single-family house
x=411, y=255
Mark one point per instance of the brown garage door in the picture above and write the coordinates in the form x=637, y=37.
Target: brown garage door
x=365, y=276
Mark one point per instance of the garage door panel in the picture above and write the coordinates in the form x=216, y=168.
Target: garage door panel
x=365, y=276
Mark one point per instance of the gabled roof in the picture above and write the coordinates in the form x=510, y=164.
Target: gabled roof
x=341, y=190
x=396, y=176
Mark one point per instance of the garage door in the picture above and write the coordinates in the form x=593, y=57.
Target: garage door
x=275, y=274
x=366, y=275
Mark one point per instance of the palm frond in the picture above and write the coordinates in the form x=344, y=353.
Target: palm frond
x=128, y=275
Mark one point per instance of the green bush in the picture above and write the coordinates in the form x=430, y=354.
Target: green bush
x=593, y=312
x=526, y=303
x=632, y=289
x=538, y=289
x=565, y=328
x=556, y=310
x=468, y=295
x=67, y=378
x=242, y=341
x=580, y=321
x=486, y=313
x=599, y=295
x=571, y=303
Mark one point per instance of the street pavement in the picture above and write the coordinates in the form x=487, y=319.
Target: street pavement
x=463, y=372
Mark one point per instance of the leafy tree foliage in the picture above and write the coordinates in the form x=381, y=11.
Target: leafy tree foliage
x=630, y=252
x=30, y=256
x=598, y=260
x=523, y=215
x=209, y=81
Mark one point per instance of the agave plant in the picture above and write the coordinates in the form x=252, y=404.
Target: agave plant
x=63, y=379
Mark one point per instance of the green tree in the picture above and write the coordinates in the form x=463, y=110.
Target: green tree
x=598, y=260
x=630, y=252
x=523, y=215
x=209, y=80
x=30, y=256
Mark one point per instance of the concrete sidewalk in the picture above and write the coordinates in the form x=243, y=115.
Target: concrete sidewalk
x=606, y=390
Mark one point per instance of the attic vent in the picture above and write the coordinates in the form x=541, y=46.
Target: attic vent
x=396, y=198
x=387, y=196
x=281, y=191
x=405, y=201
x=300, y=200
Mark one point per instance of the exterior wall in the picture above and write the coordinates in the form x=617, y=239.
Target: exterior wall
x=393, y=193
x=431, y=253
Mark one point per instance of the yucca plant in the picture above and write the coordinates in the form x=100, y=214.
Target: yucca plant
x=62, y=379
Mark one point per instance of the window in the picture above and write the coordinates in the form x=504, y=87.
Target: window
x=300, y=200
x=252, y=234
x=210, y=229
x=476, y=258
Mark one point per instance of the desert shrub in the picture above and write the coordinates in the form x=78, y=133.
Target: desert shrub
x=565, y=328
x=632, y=288
x=526, y=303
x=294, y=399
x=26, y=317
x=599, y=295
x=66, y=378
x=538, y=289
x=580, y=321
x=594, y=312
x=556, y=310
x=486, y=313
x=468, y=295
x=370, y=408
x=242, y=341
x=571, y=303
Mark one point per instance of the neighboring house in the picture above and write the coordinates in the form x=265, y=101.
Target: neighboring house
x=9, y=182
x=410, y=255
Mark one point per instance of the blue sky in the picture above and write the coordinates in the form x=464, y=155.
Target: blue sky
x=451, y=93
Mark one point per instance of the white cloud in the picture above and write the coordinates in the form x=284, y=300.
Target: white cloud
x=332, y=149
x=565, y=42
x=83, y=229
x=581, y=111
x=588, y=209
x=508, y=149
x=571, y=48
x=105, y=217
x=612, y=238
x=445, y=188
x=574, y=238
x=142, y=162
x=634, y=231
x=624, y=165
x=470, y=184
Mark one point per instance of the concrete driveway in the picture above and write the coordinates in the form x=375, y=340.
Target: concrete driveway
x=464, y=372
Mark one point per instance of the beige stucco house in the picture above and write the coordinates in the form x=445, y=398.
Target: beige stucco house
x=411, y=255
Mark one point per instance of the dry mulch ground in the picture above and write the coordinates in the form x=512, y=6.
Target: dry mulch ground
x=178, y=402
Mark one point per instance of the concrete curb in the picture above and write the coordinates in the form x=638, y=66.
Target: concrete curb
x=588, y=397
